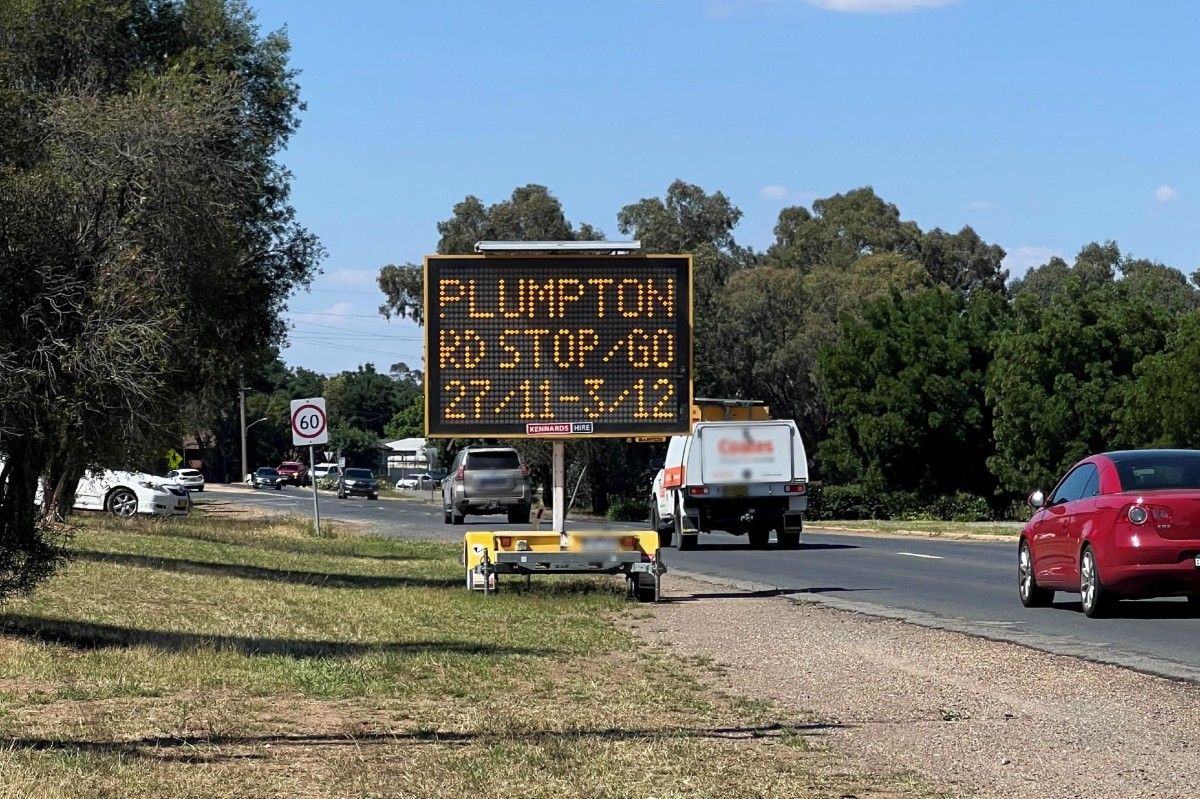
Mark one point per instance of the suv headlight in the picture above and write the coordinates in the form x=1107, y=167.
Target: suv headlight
x=147, y=484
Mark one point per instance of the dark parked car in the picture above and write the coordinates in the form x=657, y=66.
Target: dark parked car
x=1122, y=525
x=358, y=483
x=266, y=477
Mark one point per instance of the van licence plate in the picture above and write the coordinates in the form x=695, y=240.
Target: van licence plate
x=735, y=491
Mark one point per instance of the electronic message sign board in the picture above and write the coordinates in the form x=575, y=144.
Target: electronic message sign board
x=560, y=346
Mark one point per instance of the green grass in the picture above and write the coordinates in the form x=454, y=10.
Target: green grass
x=206, y=657
x=935, y=528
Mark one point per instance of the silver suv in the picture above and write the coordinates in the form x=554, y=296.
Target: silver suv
x=487, y=480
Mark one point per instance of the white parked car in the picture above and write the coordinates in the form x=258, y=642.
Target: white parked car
x=408, y=483
x=127, y=494
x=191, y=479
x=323, y=470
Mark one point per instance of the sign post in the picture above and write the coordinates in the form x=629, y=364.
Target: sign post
x=310, y=427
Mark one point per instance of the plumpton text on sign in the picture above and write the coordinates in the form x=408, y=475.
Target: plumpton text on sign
x=593, y=345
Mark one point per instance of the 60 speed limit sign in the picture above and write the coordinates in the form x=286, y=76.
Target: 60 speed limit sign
x=310, y=425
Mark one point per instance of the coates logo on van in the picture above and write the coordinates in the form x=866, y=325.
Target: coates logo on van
x=728, y=446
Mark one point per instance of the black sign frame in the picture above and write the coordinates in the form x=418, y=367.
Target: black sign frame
x=669, y=401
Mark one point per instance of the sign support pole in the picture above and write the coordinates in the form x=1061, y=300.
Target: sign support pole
x=312, y=466
x=558, y=453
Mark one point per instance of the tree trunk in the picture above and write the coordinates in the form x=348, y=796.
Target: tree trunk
x=26, y=554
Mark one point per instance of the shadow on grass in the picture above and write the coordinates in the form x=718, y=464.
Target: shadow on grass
x=85, y=635
x=163, y=747
x=178, y=529
x=265, y=573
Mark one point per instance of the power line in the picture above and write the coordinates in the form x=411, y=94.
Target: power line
x=338, y=315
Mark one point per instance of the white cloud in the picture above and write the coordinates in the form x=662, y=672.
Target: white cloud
x=333, y=315
x=1026, y=257
x=980, y=205
x=777, y=192
x=1165, y=193
x=351, y=278
x=727, y=8
x=878, y=6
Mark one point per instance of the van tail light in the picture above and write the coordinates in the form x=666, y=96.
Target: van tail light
x=795, y=488
x=698, y=491
x=505, y=542
x=524, y=470
x=461, y=474
x=629, y=542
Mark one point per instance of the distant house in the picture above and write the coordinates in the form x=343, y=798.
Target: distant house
x=406, y=456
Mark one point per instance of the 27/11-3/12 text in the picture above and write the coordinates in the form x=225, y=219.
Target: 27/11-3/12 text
x=482, y=399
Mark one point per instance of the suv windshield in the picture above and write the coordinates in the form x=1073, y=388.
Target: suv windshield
x=267, y=473
x=1150, y=471
x=360, y=474
x=493, y=459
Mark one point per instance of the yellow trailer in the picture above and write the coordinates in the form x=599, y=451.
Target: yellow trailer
x=489, y=554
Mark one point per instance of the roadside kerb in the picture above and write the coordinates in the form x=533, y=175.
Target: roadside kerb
x=956, y=536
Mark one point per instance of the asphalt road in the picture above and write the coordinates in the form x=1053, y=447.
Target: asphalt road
x=959, y=585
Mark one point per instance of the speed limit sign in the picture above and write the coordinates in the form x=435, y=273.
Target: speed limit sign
x=310, y=425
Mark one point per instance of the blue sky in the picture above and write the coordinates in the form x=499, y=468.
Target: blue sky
x=1043, y=125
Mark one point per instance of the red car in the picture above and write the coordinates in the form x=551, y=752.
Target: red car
x=293, y=472
x=1122, y=525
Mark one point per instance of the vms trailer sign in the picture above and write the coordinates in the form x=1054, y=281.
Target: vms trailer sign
x=558, y=346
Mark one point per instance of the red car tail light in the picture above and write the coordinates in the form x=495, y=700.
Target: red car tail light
x=1159, y=515
x=461, y=474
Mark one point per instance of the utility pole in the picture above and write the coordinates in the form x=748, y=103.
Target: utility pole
x=242, y=407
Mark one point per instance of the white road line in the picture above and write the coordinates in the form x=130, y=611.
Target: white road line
x=919, y=555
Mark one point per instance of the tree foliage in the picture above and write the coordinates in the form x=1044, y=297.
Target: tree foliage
x=1060, y=376
x=905, y=387
x=147, y=243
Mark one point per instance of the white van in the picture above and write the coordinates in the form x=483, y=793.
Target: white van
x=744, y=477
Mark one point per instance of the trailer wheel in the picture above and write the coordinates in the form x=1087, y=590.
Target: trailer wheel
x=787, y=540
x=758, y=538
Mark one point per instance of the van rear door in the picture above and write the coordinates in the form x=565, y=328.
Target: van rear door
x=493, y=473
x=745, y=453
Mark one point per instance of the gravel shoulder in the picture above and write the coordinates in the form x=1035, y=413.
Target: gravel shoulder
x=974, y=717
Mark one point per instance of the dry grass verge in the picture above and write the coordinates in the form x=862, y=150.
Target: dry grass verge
x=225, y=657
